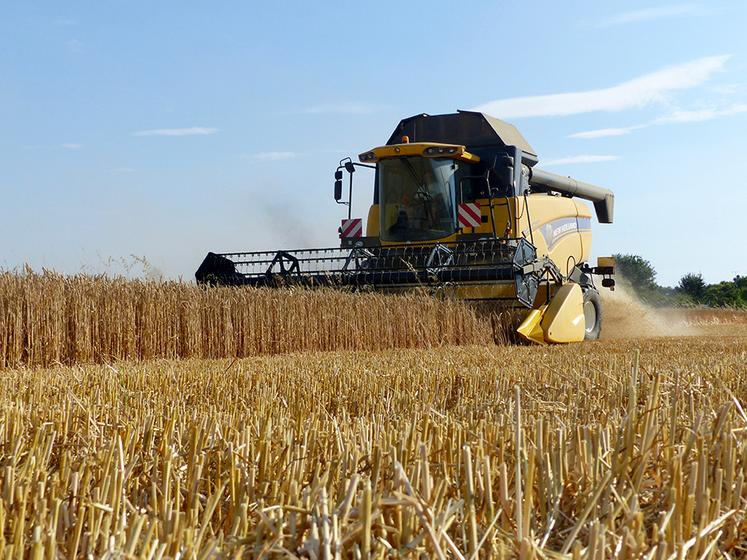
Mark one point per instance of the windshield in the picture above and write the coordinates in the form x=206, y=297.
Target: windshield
x=416, y=195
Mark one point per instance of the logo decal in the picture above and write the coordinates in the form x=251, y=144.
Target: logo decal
x=556, y=230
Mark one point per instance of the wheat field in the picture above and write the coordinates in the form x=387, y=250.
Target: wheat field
x=625, y=448
x=49, y=318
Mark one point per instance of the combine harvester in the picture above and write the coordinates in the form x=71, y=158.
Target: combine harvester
x=461, y=209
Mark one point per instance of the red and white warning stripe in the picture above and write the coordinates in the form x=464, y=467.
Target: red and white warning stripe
x=469, y=214
x=352, y=227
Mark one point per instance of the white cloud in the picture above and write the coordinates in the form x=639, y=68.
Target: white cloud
x=638, y=92
x=701, y=115
x=341, y=108
x=584, y=158
x=677, y=117
x=604, y=132
x=727, y=89
x=191, y=131
x=272, y=156
x=72, y=146
x=650, y=14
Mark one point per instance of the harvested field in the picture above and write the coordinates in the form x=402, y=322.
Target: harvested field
x=392, y=453
x=394, y=442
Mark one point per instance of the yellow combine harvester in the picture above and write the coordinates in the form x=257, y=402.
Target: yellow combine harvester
x=459, y=208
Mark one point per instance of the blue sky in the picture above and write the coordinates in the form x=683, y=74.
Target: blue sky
x=169, y=129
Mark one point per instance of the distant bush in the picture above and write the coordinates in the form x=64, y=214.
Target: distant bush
x=726, y=294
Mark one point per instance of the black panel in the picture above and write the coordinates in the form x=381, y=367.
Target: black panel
x=465, y=129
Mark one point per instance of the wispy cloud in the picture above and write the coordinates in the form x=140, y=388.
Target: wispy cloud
x=271, y=156
x=727, y=89
x=651, y=14
x=701, y=115
x=191, y=131
x=72, y=146
x=74, y=45
x=638, y=92
x=605, y=132
x=341, y=108
x=677, y=117
x=584, y=158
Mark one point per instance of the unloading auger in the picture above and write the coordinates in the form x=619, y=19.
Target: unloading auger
x=459, y=208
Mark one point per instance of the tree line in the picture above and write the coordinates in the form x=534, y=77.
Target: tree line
x=692, y=289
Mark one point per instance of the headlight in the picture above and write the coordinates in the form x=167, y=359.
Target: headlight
x=440, y=150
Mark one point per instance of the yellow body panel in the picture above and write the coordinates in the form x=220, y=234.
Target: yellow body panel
x=563, y=320
x=372, y=222
x=560, y=228
x=560, y=321
x=531, y=327
x=424, y=149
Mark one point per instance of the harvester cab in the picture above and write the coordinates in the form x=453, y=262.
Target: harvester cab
x=459, y=208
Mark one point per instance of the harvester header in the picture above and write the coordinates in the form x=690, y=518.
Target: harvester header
x=461, y=208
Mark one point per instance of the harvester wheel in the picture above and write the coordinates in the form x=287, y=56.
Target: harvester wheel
x=592, y=314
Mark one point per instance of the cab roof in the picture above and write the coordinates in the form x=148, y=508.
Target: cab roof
x=467, y=128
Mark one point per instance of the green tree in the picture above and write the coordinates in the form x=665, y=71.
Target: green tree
x=724, y=294
x=741, y=283
x=693, y=286
x=638, y=271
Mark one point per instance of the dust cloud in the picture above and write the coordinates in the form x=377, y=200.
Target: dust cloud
x=625, y=316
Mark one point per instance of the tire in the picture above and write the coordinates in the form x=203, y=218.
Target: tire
x=592, y=314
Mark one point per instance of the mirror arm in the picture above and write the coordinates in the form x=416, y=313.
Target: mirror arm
x=348, y=165
x=350, y=197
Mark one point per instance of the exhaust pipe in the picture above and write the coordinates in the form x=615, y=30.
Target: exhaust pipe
x=603, y=199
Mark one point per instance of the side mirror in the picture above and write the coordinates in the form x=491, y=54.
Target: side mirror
x=338, y=185
x=507, y=172
x=349, y=167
